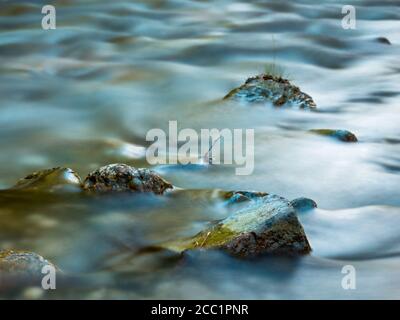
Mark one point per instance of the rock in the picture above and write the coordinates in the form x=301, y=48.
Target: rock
x=121, y=177
x=342, y=135
x=50, y=180
x=24, y=264
x=276, y=90
x=383, y=40
x=241, y=196
x=267, y=225
x=303, y=204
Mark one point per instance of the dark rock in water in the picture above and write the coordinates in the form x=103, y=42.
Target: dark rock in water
x=121, y=177
x=241, y=196
x=303, y=204
x=383, y=40
x=267, y=225
x=24, y=264
x=267, y=88
x=50, y=180
x=342, y=135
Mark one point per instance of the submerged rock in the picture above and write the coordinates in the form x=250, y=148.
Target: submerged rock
x=241, y=196
x=303, y=204
x=342, y=135
x=121, y=177
x=20, y=263
x=383, y=40
x=50, y=180
x=267, y=88
x=267, y=225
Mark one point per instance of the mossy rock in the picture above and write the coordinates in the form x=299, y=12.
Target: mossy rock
x=272, y=89
x=121, y=177
x=268, y=224
x=22, y=263
x=342, y=135
x=54, y=179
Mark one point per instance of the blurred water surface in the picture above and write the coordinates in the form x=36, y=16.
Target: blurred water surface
x=86, y=94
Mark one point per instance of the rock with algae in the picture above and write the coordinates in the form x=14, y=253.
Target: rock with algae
x=342, y=135
x=268, y=224
x=21, y=263
x=121, y=177
x=273, y=89
x=50, y=180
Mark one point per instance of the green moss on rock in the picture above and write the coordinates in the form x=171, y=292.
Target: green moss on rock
x=267, y=225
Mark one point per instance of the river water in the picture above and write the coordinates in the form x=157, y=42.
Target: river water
x=86, y=94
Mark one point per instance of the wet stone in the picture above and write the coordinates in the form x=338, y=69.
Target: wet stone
x=303, y=204
x=20, y=263
x=121, y=177
x=342, y=135
x=383, y=40
x=50, y=180
x=268, y=224
x=242, y=196
x=272, y=89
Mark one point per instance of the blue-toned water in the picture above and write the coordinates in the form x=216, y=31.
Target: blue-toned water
x=86, y=94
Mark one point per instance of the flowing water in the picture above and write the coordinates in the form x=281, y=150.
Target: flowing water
x=86, y=94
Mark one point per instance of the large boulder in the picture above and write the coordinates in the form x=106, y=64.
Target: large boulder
x=268, y=224
x=54, y=179
x=267, y=88
x=121, y=177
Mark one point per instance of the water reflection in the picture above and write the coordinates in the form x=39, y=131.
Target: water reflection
x=85, y=95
